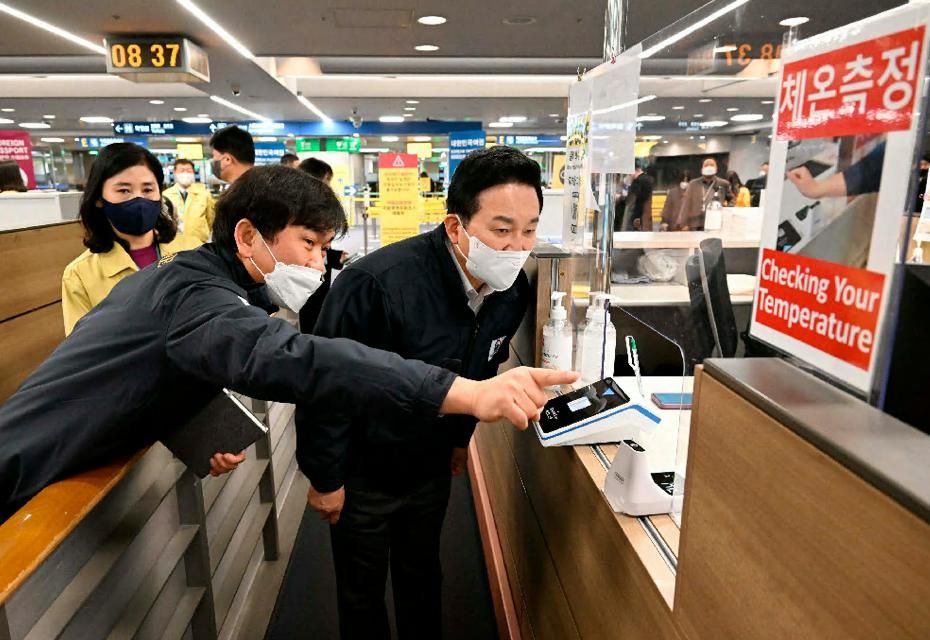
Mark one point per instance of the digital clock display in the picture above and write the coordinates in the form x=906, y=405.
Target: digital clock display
x=156, y=58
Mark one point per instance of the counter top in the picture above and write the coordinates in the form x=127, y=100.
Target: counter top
x=682, y=239
x=658, y=294
x=885, y=452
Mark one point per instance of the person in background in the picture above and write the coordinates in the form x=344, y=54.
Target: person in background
x=166, y=341
x=741, y=196
x=453, y=298
x=637, y=210
x=701, y=192
x=318, y=169
x=921, y=183
x=233, y=153
x=335, y=258
x=756, y=185
x=192, y=202
x=676, y=194
x=290, y=160
x=126, y=224
x=11, y=178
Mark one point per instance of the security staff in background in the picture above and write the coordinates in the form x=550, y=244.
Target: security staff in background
x=127, y=227
x=318, y=169
x=756, y=185
x=453, y=298
x=671, y=208
x=192, y=202
x=290, y=160
x=637, y=209
x=233, y=153
x=701, y=192
x=167, y=339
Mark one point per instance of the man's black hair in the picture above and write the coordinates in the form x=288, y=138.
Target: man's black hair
x=316, y=168
x=486, y=168
x=273, y=197
x=287, y=158
x=181, y=161
x=236, y=142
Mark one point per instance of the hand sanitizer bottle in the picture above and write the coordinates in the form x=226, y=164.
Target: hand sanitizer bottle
x=557, y=336
x=599, y=344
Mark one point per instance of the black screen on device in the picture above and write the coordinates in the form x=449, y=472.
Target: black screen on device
x=582, y=404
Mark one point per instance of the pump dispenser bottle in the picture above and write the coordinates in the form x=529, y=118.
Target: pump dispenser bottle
x=599, y=343
x=557, y=336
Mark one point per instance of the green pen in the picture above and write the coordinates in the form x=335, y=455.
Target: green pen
x=632, y=359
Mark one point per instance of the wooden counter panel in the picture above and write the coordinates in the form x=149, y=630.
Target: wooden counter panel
x=780, y=541
x=25, y=343
x=608, y=585
x=32, y=261
x=541, y=607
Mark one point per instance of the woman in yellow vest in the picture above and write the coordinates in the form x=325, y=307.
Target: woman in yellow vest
x=126, y=224
x=191, y=201
x=741, y=195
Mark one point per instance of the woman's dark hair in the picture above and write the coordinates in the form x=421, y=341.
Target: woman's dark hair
x=733, y=179
x=273, y=197
x=316, y=168
x=10, y=177
x=488, y=168
x=114, y=158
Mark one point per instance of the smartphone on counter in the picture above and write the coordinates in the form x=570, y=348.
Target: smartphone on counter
x=672, y=400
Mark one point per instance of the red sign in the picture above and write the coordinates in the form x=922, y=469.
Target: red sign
x=17, y=146
x=868, y=87
x=397, y=161
x=829, y=306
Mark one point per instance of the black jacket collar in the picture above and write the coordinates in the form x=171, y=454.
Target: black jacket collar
x=256, y=292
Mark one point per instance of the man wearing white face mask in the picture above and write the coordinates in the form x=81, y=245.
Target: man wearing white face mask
x=191, y=201
x=700, y=193
x=454, y=298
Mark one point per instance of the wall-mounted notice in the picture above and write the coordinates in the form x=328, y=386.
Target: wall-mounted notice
x=17, y=146
x=576, y=174
x=846, y=130
x=399, y=196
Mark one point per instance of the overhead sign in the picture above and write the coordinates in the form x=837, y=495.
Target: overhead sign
x=530, y=141
x=157, y=59
x=461, y=143
x=17, y=146
x=398, y=196
x=269, y=152
x=99, y=143
x=846, y=140
x=307, y=145
x=345, y=145
x=292, y=127
x=190, y=151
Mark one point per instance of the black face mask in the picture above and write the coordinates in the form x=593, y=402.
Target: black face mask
x=217, y=166
x=134, y=217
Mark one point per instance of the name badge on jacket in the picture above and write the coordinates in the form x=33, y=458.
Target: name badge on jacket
x=495, y=347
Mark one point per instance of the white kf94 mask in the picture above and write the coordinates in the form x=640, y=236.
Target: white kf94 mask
x=290, y=285
x=499, y=269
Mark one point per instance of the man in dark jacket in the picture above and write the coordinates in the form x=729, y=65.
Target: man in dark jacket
x=453, y=298
x=701, y=192
x=165, y=341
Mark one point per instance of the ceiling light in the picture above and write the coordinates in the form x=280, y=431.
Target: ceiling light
x=413, y=102
x=651, y=138
x=700, y=24
x=96, y=119
x=794, y=22
x=519, y=21
x=390, y=138
x=242, y=110
x=431, y=21
x=7, y=110
x=727, y=48
x=156, y=102
x=180, y=109
x=500, y=125
x=512, y=119
x=731, y=109
x=408, y=115
x=768, y=102
x=705, y=100
x=49, y=117
x=665, y=142
x=703, y=138
x=391, y=118
x=197, y=120
x=373, y=150
x=421, y=139
x=42, y=24
x=203, y=115
x=315, y=110
x=678, y=108
x=554, y=115
x=216, y=28
x=35, y=125
x=6, y=121
x=410, y=108
x=426, y=47
x=563, y=138
x=713, y=123
x=698, y=115
x=747, y=117
x=650, y=118
x=52, y=139
x=624, y=105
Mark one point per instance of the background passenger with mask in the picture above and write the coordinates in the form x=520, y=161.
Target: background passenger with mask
x=453, y=298
x=192, y=202
x=233, y=153
x=672, y=206
x=127, y=227
x=701, y=192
